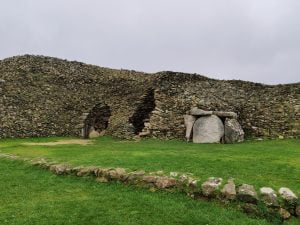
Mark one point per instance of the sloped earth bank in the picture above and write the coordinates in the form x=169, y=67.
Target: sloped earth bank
x=266, y=205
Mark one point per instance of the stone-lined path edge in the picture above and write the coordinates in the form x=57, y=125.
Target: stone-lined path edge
x=264, y=204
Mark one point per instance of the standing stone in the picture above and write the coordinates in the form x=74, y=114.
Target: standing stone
x=233, y=131
x=210, y=186
x=188, y=122
x=208, y=129
x=247, y=193
x=228, y=190
x=269, y=196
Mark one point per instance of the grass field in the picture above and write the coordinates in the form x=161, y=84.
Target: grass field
x=261, y=163
x=32, y=196
x=29, y=196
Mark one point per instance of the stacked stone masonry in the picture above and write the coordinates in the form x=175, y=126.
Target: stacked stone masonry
x=44, y=96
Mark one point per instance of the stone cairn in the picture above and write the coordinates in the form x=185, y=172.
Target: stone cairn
x=267, y=203
x=212, y=126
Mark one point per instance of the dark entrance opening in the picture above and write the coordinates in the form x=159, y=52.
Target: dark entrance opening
x=97, y=120
x=142, y=113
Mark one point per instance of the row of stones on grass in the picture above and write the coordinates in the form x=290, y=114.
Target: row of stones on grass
x=266, y=203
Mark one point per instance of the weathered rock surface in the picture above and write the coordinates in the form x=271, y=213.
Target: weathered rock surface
x=269, y=196
x=200, y=112
x=233, y=131
x=150, y=179
x=208, y=129
x=284, y=214
x=288, y=195
x=298, y=210
x=228, y=191
x=210, y=186
x=188, y=122
x=247, y=193
x=225, y=114
x=60, y=169
x=165, y=182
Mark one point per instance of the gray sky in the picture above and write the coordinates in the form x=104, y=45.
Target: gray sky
x=256, y=40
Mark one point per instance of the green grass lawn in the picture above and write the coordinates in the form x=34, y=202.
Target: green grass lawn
x=273, y=163
x=30, y=196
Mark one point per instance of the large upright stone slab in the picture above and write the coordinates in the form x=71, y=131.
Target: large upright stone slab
x=188, y=122
x=233, y=131
x=208, y=129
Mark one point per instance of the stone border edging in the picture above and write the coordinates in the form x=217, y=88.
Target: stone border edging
x=267, y=204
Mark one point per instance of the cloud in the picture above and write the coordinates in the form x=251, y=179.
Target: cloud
x=249, y=40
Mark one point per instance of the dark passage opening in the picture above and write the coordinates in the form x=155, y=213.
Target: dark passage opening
x=142, y=113
x=97, y=120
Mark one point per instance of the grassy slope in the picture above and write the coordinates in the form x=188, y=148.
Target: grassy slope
x=30, y=196
x=262, y=163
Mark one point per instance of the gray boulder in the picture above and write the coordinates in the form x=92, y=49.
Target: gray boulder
x=208, y=129
x=228, y=191
x=210, y=186
x=269, y=196
x=200, y=112
x=188, y=122
x=287, y=194
x=233, y=131
x=247, y=193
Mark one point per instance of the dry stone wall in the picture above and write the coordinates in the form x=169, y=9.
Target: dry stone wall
x=44, y=96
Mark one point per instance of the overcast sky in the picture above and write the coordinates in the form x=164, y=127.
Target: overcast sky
x=256, y=40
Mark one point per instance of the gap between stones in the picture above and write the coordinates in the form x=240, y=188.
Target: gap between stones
x=265, y=204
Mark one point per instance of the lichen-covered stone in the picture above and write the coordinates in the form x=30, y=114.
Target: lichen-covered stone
x=297, y=211
x=228, y=191
x=210, y=186
x=233, y=131
x=287, y=194
x=284, y=214
x=246, y=193
x=269, y=196
x=208, y=129
x=165, y=182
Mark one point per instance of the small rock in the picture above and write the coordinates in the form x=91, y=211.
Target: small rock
x=269, y=196
x=250, y=209
x=228, y=190
x=135, y=176
x=165, y=182
x=102, y=179
x=86, y=171
x=247, y=193
x=210, y=186
x=288, y=195
x=173, y=174
x=284, y=214
x=59, y=169
x=150, y=179
x=298, y=210
x=116, y=174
